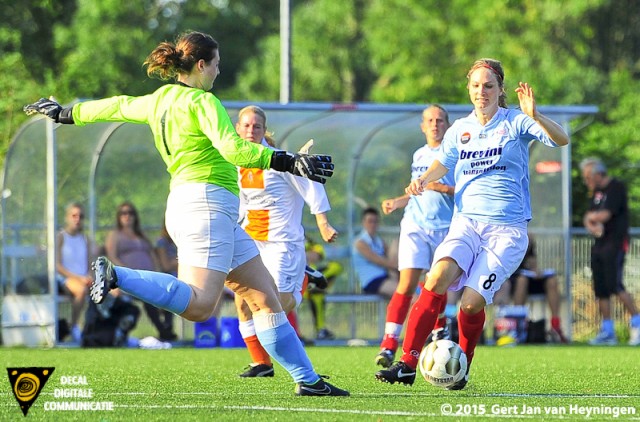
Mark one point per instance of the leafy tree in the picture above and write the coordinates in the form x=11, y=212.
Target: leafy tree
x=329, y=62
x=614, y=138
x=28, y=56
x=409, y=51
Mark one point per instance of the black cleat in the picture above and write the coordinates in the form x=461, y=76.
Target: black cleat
x=325, y=334
x=257, y=370
x=399, y=372
x=319, y=388
x=462, y=383
x=105, y=279
x=385, y=358
x=439, y=334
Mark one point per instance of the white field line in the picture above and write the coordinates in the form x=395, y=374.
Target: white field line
x=364, y=395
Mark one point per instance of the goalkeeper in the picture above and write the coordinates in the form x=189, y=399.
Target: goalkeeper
x=201, y=149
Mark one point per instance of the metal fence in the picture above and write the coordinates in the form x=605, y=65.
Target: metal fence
x=579, y=295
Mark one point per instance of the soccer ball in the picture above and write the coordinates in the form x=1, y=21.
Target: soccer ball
x=442, y=363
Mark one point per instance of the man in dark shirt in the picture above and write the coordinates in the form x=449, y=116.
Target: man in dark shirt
x=608, y=221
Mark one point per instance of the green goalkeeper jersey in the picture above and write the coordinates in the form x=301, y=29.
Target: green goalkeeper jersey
x=191, y=129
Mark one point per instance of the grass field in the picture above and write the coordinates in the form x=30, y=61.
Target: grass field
x=560, y=382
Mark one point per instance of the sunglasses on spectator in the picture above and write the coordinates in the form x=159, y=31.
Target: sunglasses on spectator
x=126, y=212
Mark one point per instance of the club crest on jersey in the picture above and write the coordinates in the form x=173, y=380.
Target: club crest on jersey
x=465, y=138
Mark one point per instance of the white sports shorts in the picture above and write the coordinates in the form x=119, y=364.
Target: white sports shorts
x=417, y=245
x=202, y=219
x=487, y=253
x=286, y=262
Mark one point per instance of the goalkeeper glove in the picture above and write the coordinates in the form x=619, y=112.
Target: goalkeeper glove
x=316, y=277
x=51, y=109
x=312, y=166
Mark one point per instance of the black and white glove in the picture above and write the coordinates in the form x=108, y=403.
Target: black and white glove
x=51, y=109
x=316, y=277
x=312, y=166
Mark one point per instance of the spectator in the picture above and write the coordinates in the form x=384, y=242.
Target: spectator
x=73, y=258
x=128, y=246
x=197, y=141
x=424, y=224
x=271, y=205
x=372, y=262
x=108, y=324
x=488, y=151
x=530, y=280
x=608, y=221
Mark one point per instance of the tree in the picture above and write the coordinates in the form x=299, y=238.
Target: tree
x=330, y=59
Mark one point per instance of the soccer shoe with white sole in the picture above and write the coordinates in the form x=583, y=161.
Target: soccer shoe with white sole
x=319, y=388
x=257, y=370
x=105, y=279
x=462, y=383
x=439, y=334
x=634, y=336
x=385, y=358
x=604, y=339
x=399, y=372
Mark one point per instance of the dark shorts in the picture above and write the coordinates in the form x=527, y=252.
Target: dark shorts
x=535, y=285
x=607, y=266
x=374, y=285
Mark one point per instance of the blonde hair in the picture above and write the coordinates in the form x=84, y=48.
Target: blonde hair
x=268, y=136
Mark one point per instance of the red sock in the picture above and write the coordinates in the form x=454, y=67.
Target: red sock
x=293, y=320
x=555, y=323
x=441, y=322
x=397, y=311
x=470, y=329
x=422, y=319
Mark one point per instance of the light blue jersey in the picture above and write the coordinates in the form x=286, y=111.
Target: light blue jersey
x=366, y=270
x=431, y=210
x=491, y=165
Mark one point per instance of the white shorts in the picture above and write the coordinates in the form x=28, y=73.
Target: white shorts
x=417, y=245
x=202, y=219
x=286, y=262
x=487, y=253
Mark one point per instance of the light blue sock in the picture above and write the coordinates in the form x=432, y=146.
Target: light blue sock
x=607, y=326
x=280, y=340
x=635, y=321
x=158, y=289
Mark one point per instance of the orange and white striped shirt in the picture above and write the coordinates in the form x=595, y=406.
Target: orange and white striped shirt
x=271, y=203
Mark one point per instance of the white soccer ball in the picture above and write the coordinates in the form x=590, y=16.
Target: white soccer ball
x=442, y=363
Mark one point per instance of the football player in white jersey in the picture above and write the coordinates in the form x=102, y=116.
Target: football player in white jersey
x=424, y=225
x=488, y=152
x=271, y=205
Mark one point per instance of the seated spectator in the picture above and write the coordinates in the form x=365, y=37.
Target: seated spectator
x=73, y=267
x=127, y=246
x=109, y=323
x=375, y=269
x=530, y=280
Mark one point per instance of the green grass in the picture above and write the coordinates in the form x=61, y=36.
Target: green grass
x=202, y=384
